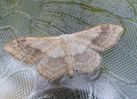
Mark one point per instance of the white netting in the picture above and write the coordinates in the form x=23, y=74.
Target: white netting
x=54, y=17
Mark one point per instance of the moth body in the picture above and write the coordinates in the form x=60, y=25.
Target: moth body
x=66, y=44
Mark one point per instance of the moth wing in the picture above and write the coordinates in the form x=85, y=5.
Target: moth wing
x=85, y=59
x=100, y=37
x=34, y=48
x=43, y=44
x=46, y=52
x=28, y=49
x=53, y=64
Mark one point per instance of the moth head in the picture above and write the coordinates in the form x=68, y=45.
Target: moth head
x=65, y=36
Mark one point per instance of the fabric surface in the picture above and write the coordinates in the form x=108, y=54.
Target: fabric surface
x=118, y=78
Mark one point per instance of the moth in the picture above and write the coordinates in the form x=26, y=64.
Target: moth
x=64, y=54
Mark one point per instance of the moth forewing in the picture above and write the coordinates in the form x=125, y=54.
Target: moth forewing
x=101, y=37
x=108, y=37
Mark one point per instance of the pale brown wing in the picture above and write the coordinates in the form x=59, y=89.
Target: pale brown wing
x=30, y=49
x=85, y=59
x=43, y=43
x=53, y=65
x=47, y=52
x=100, y=37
